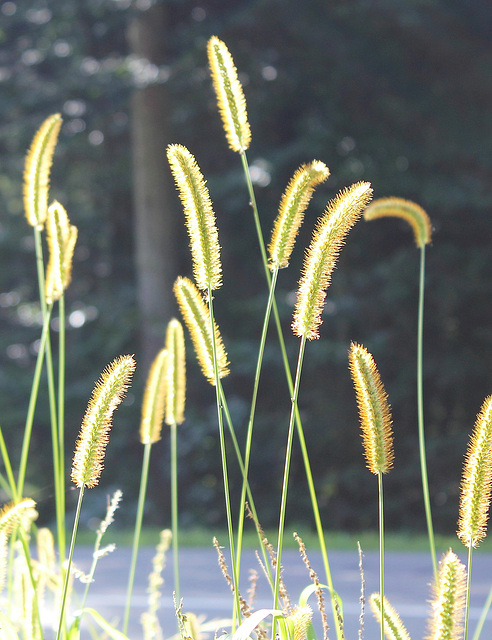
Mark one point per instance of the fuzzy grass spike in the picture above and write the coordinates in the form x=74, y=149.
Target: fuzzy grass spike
x=416, y=217
x=176, y=373
x=393, y=626
x=448, y=603
x=153, y=404
x=61, y=237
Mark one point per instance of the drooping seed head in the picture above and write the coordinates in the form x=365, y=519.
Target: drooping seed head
x=197, y=318
x=476, y=480
x=374, y=411
x=199, y=217
x=293, y=204
x=230, y=96
x=448, y=602
x=61, y=237
x=394, y=629
x=416, y=217
x=154, y=400
x=328, y=238
x=176, y=373
x=109, y=391
x=37, y=170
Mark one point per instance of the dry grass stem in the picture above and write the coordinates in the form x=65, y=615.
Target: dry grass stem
x=230, y=96
x=328, y=238
x=94, y=433
x=374, y=411
x=416, y=217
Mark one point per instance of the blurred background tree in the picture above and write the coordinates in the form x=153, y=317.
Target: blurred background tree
x=395, y=93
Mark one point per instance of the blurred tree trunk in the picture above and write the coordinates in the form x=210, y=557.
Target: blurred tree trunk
x=154, y=225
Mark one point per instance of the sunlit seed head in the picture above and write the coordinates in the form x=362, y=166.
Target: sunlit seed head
x=407, y=210
x=448, y=602
x=394, y=628
x=61, y=237
x=154, y=400
x=175, y=373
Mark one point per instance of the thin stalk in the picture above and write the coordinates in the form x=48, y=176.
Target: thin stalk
x=61, y=429
x=224, y=461
x=468, y=589
x=290, y=384
x=69, y=564
x=249, y=435
x=381, y=549
x=25, y=547
x=136, y=535
x=285, y=482
x=420, y=408
x=483, y=616
x=10, y=486
x=174, y=508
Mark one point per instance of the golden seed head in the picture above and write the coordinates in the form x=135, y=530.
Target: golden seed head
x=154, y=400
x=374, y=411
x=93, y=438
x=293, y=204
x=476, y=480
x=197, y=318
x=328, y=238
x=394, y=628
x=230, y=96
x=199, y=216
x=176, y=373
x=61, y=237
x=13, y=515
x=448, y=602
x=37, y=170
x=416, y=217
x=300, y=620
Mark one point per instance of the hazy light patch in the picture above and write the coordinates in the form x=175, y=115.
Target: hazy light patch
x=17, y=352
x=198, y=14
x=9, y=299
x=31, y=56
x=8, y=8
x=89, y=66
x=74, y=108
x=96, y=137
x=38, y=16
x=260, y=172
x=62, y=49
x=77, y=125
x=346, y=145
x=269, y=73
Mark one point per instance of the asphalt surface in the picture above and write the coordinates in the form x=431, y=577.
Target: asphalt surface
x=205, y=593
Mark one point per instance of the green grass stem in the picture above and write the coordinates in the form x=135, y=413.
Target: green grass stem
x=8, y=484
x=381, y=548
x=60, y=503
x=468, y=591
x=174, y=508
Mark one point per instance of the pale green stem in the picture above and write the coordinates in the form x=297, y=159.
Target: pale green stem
x=27, y=555
x=285, y=482
x=290, y=384
x=174, y=508
x=420, y=406
x=468, y=590
x=224, y=459
x=61, y=622
x=483, y=616
x=381, y=549
x=9, y=487
x=61, y=429
x=136, y=535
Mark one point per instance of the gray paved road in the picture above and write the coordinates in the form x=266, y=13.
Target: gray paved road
x=407, y=585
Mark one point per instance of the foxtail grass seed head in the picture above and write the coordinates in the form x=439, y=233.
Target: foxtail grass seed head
x=109, y=391
x=13, y=515
x=476, y=480
x=300, y=620
x=199, y=217
x=394, y=629
x=416, y=217
x=61, y=237
x=328, y=238
x=230, y=96
x=37, y=170
x=176, y=373
x=153, y=404
x=374, y=411
x=293, y=204
x=448, y=602
x=197, y=318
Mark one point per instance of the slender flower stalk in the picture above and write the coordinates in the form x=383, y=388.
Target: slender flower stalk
x=394, y=627
x=199, y=216
x=230, y=96
x=448, y=602
x=422, y=229
x=377, y=436
x=340, y=216
x=153, y=407
x=196, y=318
x=175, y=405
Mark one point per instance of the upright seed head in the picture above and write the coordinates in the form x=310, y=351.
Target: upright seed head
x=300, y=619
x=476, y=480
x=374, y=411
x=61, y=237
x=448, y=603
x=154, y=400
x=199, y=216
x=291, y=211
x=340, y=216
x=416, y=217
x=37, y=170
x=394, y=628
x=230, y=96
x=94, y=433
x=13, y=515
x=176, y=373
x=196, y=317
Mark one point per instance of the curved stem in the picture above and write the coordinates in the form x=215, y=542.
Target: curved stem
x=136, y=535
x=420, y=407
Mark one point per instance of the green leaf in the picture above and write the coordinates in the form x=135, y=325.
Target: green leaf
x=249, y=625
x=104, y=624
